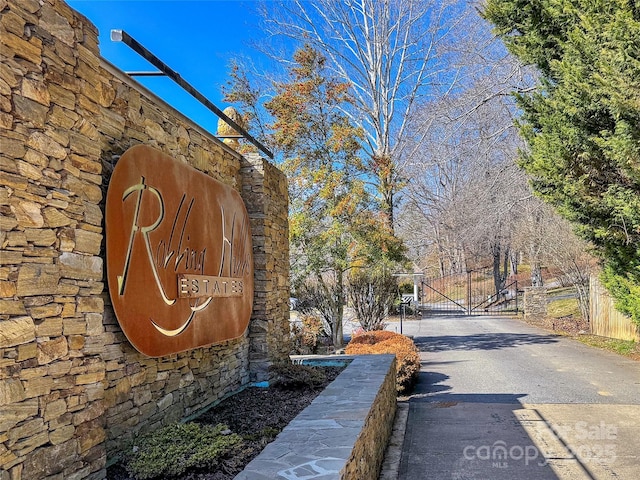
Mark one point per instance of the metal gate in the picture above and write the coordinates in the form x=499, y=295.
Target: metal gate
x=470, y=293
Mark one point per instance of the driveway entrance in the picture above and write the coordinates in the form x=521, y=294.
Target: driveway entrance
x=498, y=399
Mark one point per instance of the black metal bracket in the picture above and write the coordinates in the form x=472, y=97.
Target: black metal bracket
x=124, y=37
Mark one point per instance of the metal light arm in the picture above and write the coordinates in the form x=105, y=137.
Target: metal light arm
x=124, y=37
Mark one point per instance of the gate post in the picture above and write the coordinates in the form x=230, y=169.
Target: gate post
x=468, y=292
x=535, y=303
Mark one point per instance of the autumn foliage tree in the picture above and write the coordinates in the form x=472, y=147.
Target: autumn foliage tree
x=333, y=227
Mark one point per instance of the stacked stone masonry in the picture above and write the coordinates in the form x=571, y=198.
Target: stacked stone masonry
x=535, y=303
x=72, y=389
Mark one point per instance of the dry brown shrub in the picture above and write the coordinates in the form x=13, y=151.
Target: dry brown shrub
x=383, y=341
x=307, y=336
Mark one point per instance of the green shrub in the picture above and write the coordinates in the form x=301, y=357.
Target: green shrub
x=171, y=450
x=625, y=290
x=382, y=341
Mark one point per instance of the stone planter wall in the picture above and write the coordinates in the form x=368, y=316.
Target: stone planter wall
x=72, y=388
x=343, y=434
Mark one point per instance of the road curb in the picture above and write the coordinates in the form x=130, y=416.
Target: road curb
x=393, y=454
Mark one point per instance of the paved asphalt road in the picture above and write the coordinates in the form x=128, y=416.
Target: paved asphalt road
x=498, y=399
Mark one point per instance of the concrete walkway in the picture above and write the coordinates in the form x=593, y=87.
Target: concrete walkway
x=498, y=399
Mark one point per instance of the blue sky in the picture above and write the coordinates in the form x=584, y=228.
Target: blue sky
x=196, y=38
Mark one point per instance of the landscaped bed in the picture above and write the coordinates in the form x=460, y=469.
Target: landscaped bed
x=221, y=442
x=252, y=418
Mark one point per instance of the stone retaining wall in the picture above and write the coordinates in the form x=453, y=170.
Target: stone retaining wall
x=72, y=389
x=343, y=434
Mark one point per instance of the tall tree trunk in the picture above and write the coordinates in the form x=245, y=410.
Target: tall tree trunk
x=499, y=271
x=383, y=166
x=582, y=290
x=338, y=336
x=513, y=260
x=534, y=256
x=440, y=248
x=536, y=274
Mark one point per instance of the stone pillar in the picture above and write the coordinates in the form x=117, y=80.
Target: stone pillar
x=51, y=270
x=535, y=303
x=265, y=191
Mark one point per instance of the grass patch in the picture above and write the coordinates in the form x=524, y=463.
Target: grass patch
x=566, y=307
x=627, y=348
x=557, y=291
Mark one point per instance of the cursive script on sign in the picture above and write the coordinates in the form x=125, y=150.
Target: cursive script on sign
x=179, y=254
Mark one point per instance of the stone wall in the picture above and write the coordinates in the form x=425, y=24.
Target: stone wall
x=343, y=433
x=266, y=194
x=368, y=451
x=72, y=388
x=535, y=303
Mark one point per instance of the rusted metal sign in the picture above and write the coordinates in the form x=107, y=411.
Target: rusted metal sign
x=179, y=254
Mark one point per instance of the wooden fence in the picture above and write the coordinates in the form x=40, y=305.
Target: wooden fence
x=605, y=320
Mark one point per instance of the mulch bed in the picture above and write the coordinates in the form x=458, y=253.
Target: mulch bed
x=565, y=325
x=258, y=415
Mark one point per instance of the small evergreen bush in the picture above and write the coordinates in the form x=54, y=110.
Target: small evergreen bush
x=171, y=450
x=382, y=341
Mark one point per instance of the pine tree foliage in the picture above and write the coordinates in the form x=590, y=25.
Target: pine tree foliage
x=582, y=123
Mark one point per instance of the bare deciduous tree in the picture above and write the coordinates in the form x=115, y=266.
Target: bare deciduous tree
x=465, y=187
x=372, y=296
x=393, y=53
